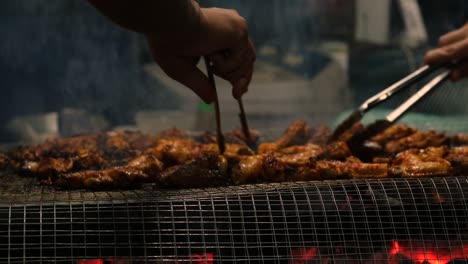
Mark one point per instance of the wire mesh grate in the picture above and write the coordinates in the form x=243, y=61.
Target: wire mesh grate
x=348, y=221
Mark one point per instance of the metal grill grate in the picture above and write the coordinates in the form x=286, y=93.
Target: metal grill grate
x=372, y=221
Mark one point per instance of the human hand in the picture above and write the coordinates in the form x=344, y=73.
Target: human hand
x=453, y=46
x=223, y=37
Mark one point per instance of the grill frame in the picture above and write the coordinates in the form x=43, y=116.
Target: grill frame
x=238, y=224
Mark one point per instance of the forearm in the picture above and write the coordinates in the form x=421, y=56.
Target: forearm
x=179, y=19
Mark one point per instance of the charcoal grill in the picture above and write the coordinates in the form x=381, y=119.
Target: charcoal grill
x=349, y=221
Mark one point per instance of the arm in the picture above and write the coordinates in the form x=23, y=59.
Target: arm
x=179, y=32
x=176, y=19
x=453, y=46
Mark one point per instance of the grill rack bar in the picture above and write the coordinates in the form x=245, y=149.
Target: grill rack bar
x=396, y=190
x=237, y=224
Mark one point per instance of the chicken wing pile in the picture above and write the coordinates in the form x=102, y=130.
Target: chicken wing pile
x=173, y=159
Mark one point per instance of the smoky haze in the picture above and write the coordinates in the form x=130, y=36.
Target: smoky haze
x=56, y=54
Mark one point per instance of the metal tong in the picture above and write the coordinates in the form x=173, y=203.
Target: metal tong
x=380, y=97
x=244, y=125
x=243, y=118
x=380, y=125
x=219, y=133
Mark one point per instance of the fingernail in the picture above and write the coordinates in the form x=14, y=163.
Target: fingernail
x=240, y=87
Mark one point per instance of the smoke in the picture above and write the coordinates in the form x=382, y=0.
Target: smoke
x=56, y=54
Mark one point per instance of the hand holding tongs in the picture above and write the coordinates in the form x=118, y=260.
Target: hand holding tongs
x=375, y=100
x=219, y=133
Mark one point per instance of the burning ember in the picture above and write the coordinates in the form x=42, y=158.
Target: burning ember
x=303, y=255
x=398, y=253
x=202, y=259
x=99, y=261
x=426, y=254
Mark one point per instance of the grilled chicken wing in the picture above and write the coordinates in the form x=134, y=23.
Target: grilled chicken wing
x=249, y=169
x=117, y=146
x=418, y=140
x=332, y=169
x=320, y=135
x=460, y=139
x=206, y=170
x=258, y=168
x=173, y=159
x=299, y=155
x=143, y=169
x=175, y=151
x=393, y=133
x=421, y=163
x=86, y=152
x=237, y=136
x=356, y=128
x=297, y=133
x=46, y=167
x=295, y=163
x=4, y=161
x=67, y=147
x=232, y=153
x=458, y=158
x=337, y=150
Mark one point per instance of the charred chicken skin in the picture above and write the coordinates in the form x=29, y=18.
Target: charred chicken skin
x=173, y=159
x=393, y=133
x=458, y=158
x=207, y=169
x=421, y=163
x=332, y=170
x=271, y=168
x=143, y=169
x=418, y=139
x=298, y=133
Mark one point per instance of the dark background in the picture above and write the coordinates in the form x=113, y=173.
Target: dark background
x=56, y=54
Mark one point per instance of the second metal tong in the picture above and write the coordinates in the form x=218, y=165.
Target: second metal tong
x=378, y=126
x=382, y=96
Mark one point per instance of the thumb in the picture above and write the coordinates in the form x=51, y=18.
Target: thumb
x=184, y=71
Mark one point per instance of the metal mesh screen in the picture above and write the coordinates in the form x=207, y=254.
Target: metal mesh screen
x=372, y=221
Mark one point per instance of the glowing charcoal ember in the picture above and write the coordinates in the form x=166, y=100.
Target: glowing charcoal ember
x=91, y=261
x=303, y=255
x=426, y=254
x=106, y=261
x=207, y=258
x=202, y=259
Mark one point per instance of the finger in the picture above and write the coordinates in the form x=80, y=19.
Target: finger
x=235, y=74
x=234, y=77
x=198, y=82
x=238, y=72
x=241, y=77
x=230, y=60
x=454, y=36
x=242, y=86
x=183, y=71
x=460, y=72
x=455, y=51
